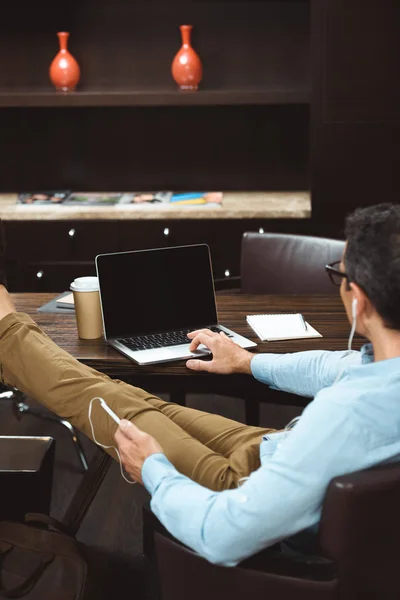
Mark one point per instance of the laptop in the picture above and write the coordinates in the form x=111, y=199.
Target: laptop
x=150, y=300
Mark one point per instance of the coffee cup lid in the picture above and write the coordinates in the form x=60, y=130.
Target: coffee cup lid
x=85, y=284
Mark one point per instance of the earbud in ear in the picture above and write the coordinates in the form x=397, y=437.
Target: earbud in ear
x=354, y=308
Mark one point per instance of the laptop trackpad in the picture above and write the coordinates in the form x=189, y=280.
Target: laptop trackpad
x=180, y=351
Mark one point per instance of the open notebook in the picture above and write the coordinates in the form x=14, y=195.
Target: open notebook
x=281, y=327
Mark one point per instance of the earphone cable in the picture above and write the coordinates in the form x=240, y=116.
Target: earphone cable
x=102, y=445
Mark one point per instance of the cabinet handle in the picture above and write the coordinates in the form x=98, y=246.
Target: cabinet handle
x=166, y=231
x=227, y=273
x=71, y=232
x=39, y=274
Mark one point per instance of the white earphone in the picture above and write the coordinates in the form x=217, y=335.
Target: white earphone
x=354, y=308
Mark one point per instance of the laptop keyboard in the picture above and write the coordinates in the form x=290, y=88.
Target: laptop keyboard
x=160, y=340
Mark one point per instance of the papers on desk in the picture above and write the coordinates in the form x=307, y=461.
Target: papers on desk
x=283, y=326
x=66, y=301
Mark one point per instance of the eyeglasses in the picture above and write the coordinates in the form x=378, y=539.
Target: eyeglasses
x=335, y=274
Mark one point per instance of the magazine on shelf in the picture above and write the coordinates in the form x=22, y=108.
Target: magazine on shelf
x=92, y=199
x=176, y=198
x=43, y=198
x=68, y=198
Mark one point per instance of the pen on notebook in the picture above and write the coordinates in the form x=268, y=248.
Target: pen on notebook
x=303, y=321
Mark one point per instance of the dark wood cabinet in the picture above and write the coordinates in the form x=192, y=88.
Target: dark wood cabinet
x=127, y=126
x=296, y=94
x=44, y=256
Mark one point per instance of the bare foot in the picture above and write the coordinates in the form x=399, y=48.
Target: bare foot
x=6, y=304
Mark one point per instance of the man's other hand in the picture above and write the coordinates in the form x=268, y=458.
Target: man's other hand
x=134, y=447
x=228, y=357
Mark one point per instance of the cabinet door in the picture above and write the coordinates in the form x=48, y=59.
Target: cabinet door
x=61, y=240
x=46, y=276
x=223, y=237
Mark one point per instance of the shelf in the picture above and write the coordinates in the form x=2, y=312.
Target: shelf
x=236, y=205
x=226, y=97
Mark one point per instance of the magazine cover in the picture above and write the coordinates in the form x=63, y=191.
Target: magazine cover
x=43, y=198
x=92, y=199
x=184, y=198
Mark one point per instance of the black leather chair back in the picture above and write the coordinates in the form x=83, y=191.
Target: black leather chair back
x=275, y=263
x=360, y=531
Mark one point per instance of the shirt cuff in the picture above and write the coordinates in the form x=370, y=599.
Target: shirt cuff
x=154, y=469
x=262, y=367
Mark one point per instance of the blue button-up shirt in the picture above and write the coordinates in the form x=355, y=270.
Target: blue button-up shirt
x=353, y=423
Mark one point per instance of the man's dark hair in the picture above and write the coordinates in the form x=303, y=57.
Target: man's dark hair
x=372, y=258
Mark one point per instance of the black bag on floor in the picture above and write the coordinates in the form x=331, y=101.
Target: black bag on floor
x=41, y=559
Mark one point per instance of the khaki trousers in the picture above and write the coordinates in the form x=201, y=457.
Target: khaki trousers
x=210, y=449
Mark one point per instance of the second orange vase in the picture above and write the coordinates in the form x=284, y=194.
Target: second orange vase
x=187, y=69
x=64, y=70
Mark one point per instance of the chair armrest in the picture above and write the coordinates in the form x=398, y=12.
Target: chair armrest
x=271, y=560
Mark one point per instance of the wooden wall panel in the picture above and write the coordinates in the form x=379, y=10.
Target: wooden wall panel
x=131, y=149
x=355, y=131
x=362, y=61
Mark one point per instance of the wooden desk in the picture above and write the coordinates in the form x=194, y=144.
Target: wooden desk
x=325, y=313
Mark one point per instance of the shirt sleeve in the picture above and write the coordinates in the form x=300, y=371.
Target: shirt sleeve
x=302, y=373
x=276, y=501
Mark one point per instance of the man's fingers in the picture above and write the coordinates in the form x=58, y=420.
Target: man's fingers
x=202, y=338
x=122, y=440
x=119, y=437
x=129, y=430
x=199, y=365
x=192, y=334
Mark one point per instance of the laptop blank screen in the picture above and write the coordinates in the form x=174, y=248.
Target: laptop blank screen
x=150, y=291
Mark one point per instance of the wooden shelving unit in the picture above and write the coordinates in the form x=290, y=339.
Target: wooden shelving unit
x=247, y=128
x=127, y=127
x=297, y=95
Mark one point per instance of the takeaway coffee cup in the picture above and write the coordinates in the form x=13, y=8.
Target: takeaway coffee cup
x=87, y=307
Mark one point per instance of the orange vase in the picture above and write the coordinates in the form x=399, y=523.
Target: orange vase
x=64, y=70
x=187, y=69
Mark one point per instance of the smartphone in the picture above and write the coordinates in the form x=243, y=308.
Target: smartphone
x=110, y=412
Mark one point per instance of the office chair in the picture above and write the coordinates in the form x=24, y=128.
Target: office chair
x=359, y=552
x=20, y=407
x=280, y=263
x=276, y=263
x=18, y=398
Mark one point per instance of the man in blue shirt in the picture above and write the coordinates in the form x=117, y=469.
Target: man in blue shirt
x=225, y=489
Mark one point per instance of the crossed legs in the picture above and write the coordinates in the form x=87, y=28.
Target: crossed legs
x=209, y=449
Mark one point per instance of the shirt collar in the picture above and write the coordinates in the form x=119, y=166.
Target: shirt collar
x=367, y=354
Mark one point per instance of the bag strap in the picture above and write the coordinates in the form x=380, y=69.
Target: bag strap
x=26, y=586
x=41, y=519
x=86, y=491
